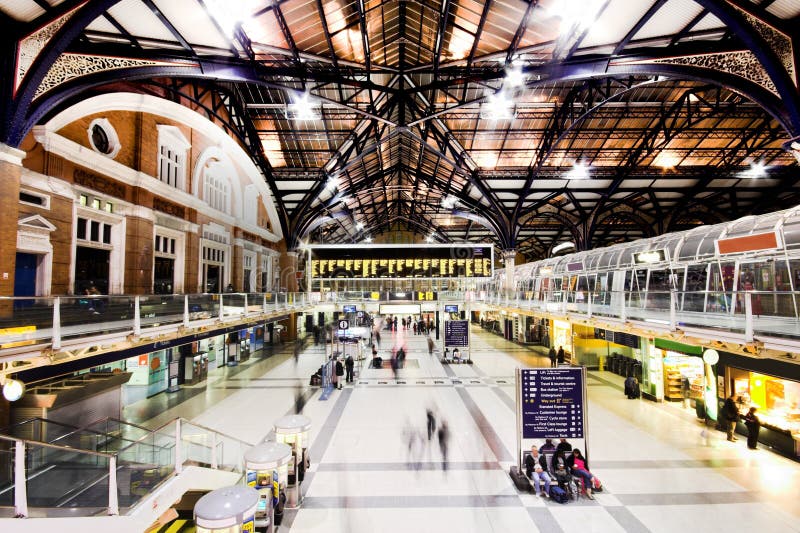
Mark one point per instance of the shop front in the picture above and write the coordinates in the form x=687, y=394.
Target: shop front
x=676, y=373
x=620, y=351
x=562, y=338
x=765, y=384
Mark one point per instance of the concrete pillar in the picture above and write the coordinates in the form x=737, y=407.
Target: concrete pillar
x=509, y=257
x=10, y=170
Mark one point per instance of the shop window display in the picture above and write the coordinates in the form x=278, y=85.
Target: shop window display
x=778, y=400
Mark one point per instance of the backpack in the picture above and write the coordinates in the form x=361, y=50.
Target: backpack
x=557, y=494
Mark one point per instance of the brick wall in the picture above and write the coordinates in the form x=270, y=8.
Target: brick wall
x=138, y=256
x=9, y=212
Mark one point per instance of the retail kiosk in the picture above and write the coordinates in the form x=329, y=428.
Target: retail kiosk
x=293, y=430
x=227, y=509
x=267, y=472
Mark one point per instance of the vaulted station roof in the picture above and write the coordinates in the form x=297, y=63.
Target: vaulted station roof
x=527, y=123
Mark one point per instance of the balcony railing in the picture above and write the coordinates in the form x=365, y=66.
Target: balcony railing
x=62, y=320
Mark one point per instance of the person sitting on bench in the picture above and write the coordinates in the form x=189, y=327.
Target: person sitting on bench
x=456, y=355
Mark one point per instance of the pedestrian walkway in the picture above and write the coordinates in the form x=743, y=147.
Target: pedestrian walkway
x=374, y=469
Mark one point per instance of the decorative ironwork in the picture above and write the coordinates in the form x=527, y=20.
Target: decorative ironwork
x=71, y=66
x=31, y=46
x=777, y=41
x=743, y=63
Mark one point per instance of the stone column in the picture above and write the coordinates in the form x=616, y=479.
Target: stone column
x=509, y=256
x=10, y=170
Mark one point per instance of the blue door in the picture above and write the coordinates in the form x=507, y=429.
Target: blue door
x=25, y=277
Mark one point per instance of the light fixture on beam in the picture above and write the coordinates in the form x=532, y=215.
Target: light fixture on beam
x=497, y=107
x=580, y=171
x=757, y=170
x=302, y=108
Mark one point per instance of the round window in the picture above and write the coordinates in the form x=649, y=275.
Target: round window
x=100, y=139
x=103, y=137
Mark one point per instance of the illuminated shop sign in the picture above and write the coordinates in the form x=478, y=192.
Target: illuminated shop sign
x=650, y=256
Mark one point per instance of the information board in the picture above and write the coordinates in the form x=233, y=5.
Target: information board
x=456, y=333
x=552, y=403
x=401, y=262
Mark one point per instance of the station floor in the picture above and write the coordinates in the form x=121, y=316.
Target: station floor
x=662, y=472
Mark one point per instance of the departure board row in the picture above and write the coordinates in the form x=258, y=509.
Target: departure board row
x=477, y=267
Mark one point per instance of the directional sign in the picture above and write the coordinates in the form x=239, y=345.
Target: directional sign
x=456, y=333
x=344, y=324
x=552, y=403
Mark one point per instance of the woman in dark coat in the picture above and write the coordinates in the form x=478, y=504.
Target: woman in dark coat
x=753, y=425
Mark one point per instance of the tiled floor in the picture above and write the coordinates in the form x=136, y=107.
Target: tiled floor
x=374, y=470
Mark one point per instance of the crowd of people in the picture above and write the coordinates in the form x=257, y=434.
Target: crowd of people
x=566, y=466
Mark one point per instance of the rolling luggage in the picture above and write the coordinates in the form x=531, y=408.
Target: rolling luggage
x=521, y=481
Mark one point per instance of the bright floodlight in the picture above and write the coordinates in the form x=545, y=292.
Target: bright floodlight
x=580, y=171
x=514, y=76
x=368, y=239
x=360, y=226
x=429, y=239
x=497, y=107
x=302, y=108
x=757, y=170
x=449, y=202
x=574, y=13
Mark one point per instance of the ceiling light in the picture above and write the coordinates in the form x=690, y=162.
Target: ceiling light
x=666, y=159
x=574, y=13
x=497, y=107
x=580, y=171
x=429, y=239
x=229, y=15
x=302, y=107
x=331, y=184
x=514, y=76
x=562, y=246
x=359, y=226
x=13, y=390
x=368, y=239
x=757, y=170
x=449, y=202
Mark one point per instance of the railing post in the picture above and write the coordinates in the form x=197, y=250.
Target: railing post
x=55, y=340
x=214, y=463
x=178, y=443
x=20, y=485
x=221, y=308
x=748, y=317
x=622, y=310
x=185, y=310
x=673, y=305
x=264, y=303
x=244, y=309
x=137, y=317
x=589, y=299
x=113, y=499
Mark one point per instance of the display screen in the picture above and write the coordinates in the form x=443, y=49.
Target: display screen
x=349, y=308
x=451, y=308
x=400, y=262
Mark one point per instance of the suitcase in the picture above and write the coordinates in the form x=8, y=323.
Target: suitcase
x=521, y=481
x=596, y=485
x=557, y=494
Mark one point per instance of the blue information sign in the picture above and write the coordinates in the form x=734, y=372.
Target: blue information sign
x=552, y=403
x=456, y=333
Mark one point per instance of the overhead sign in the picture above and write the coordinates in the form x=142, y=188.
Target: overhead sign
x=456, y=333
x=552, y=403
x=349, y=308
x=344, y=324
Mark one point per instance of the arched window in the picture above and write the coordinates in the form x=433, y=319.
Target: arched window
x=216, y=186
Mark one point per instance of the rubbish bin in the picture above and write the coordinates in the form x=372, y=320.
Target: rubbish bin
x=227, y=509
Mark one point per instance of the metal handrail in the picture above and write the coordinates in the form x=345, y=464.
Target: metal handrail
x=21, y=468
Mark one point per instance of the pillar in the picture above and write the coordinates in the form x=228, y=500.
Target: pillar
x=10, y=170
x=509, y=258
x=288, y=277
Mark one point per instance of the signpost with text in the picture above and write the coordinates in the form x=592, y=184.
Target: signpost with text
x=551, y=404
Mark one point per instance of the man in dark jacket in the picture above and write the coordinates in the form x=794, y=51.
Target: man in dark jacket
x=560, y=355
x=563, y=446
x=728, y=417
x=552, y=355
x=348, y=366
x=339, y=373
